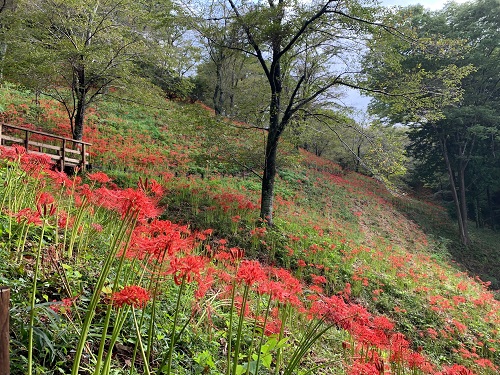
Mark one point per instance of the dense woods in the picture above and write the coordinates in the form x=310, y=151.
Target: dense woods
x=237, y=216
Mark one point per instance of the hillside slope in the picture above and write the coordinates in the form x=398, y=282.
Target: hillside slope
x=391, y=255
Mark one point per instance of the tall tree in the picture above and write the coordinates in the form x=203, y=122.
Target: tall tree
x=464, y=129
x=302, y=50
x=74, y=51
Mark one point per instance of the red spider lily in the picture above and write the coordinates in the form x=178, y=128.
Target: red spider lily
x=100, y=177
x=361, y=368
x=205, y=282
x=158, y=239
x=34, y=164
x=399, y=348
x=383, y=323
x=187, y=268
x=62, y=306
x=131, y=295
x=150, y=186
x=59, y=178
x=456, y=370
x=45, y=205
x=318, y=280
x=485, y=363
x=31, y=216
x=273, y=327
x=250, y=272
x=125, y=202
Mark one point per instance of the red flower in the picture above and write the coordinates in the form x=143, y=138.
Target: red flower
x=318, y=280
x=131, y=295
x=359, y=368
x=456, y=370
x=250, y=272
x=100, y=177
x=31, y=216
x=187, y=268
x=45, y=205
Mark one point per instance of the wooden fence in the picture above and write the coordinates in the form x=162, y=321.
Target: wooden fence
x=65, y=152
x=4, y=330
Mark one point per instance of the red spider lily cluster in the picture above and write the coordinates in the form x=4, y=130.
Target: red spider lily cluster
x=131, y=295
x=170, y=251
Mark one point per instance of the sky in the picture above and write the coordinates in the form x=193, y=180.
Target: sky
x=430, y=4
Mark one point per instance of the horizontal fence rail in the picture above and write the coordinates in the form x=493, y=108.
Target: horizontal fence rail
x=65, y=152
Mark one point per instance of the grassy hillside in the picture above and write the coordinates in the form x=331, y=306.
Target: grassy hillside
x=382, y=270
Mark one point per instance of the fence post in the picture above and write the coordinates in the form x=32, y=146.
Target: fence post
x=4, y=330
x=27, y=141
x=1, y=140
x=63, y=155
x=84, y=158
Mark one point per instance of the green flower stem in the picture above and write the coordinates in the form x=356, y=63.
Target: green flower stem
x=144, y=356
x=173, y=334
x=128, y=222
x=33, y=300
x=76, y=225
x=314, y=331
x=280, y=337
x=262, y=334
x=230, y=329
x=104, y=334
x=254, y=329
x=120, y=320
x=240, y=328
x=108, y=313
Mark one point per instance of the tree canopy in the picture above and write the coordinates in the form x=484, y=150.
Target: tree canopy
x=462, y=136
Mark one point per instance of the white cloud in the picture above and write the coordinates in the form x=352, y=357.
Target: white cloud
x=429, y=4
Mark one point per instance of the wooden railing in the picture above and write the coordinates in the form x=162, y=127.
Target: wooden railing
x=65, y=152
x=4, y=330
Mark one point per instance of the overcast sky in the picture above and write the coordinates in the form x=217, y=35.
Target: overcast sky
x=430, y=4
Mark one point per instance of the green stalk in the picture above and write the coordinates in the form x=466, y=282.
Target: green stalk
x=280, y=337
x=313, y=333
x=240, y=328
x=108, y=316
x=32, y=302
x=262, y=334
x=76, y=224
x=22, y=241
x=230, y=329
x=173, y=334
x=120, y=320
x=144, y=357
x=153, y=316
x=250, y=348
x=104, y=334
x=115, y=246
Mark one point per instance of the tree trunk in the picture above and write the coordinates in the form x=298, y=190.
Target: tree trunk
x=267, y=193
x=462, y=222
x=491, y=208
x=81, y=105
x=463, y=204
x=358, y=154
x=218, y=94
x=275, y=129
x=79, y=120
